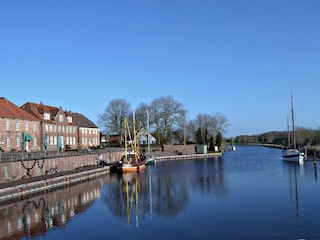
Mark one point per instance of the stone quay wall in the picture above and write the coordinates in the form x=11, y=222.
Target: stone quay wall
x=10, y=171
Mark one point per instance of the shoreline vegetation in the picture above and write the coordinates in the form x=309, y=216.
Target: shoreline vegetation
x=311, y=152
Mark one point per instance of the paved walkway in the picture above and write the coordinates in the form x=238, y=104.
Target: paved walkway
x=44, y=177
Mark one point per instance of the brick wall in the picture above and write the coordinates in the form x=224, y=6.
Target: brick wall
x=16, y=170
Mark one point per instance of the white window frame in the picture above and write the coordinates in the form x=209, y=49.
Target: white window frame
x=8, y=142
x=8, y=125
x=17, y=141
x=46, y=116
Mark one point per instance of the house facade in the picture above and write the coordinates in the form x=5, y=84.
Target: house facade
x=19, y=130
x=88, y=132
x=56, y=131
x=143, y=138
x=39, y=127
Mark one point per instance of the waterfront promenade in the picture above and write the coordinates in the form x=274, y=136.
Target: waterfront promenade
x=23, y=187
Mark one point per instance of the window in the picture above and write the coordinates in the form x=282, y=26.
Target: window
x=17, y=126
x=27, y=126
x=7, y=142
x=46, y=116
x=8, y=125
x=47, y=128
x=35, y=141
x=34, y=127
x=69, y=119
x=17, y=141
x=50, y=128
x=61, y=118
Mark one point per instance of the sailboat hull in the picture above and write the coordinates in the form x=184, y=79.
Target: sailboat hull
x=292, y=155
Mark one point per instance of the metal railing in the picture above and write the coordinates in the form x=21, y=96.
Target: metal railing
x=18, y=156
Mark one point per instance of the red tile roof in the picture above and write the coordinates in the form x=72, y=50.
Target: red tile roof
x=81, y=120
x=38, y=109
x=10, y=110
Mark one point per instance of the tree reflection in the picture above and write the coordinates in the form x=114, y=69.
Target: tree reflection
x=163, y=190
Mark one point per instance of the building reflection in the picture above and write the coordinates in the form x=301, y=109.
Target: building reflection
x=37, y=215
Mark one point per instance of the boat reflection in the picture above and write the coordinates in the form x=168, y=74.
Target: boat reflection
x=300, y=175
x=36, y=215
x=293, y=169
x=163, y=189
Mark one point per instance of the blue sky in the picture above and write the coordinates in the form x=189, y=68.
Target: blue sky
x=241, y=58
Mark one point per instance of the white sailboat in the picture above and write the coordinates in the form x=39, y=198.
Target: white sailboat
x=291, y=153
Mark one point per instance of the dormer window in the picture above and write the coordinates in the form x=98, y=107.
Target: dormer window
x=69, y=119
x=46, y=116
x=61, y=118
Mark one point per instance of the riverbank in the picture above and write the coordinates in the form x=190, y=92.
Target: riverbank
x=19, y=189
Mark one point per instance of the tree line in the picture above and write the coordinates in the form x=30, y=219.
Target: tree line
x=167, y=121
x=304, y=137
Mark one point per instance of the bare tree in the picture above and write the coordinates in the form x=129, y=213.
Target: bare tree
x=213, y=124
x=112, y=119
x=141, y=115
x=167, y=115
x=221, y=122
x=206, y=121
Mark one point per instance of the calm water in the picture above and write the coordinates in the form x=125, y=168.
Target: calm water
x=249, y=193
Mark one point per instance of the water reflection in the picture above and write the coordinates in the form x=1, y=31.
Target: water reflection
x=164, y=189
x=249, y=193
x=293, y=169
x=36, y=215
x=210, y=177
x=300, y=175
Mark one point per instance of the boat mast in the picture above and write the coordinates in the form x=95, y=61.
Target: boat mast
x=293, y=130
x=148, y=132
x=134, y=136
x=288, y=123
x=125, y=139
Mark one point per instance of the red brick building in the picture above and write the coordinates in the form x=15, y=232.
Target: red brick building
x=19, y=130
x=64, y=130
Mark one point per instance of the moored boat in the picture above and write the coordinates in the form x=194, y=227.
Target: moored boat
x=150, y=160
x=291, y=153
x=131, y=161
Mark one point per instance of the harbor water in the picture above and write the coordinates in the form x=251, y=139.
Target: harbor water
x=249, y=193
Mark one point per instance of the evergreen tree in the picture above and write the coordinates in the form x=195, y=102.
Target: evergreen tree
x=219, y=140
x=205, y=137
x=211, y=147
x=199, y=136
